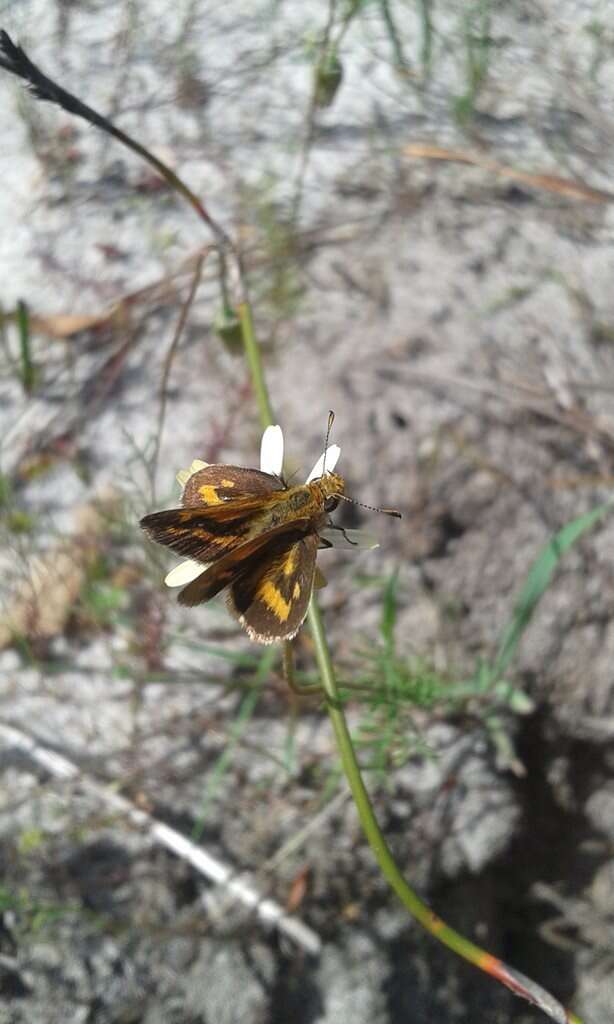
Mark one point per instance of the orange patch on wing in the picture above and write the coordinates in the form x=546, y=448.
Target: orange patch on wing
x=272, y=598
x=209, y=494
x=291, y=561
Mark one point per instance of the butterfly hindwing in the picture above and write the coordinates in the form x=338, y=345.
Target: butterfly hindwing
x=270, y=598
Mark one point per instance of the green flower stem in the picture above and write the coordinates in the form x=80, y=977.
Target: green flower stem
x=433, y=924
x=252, y=354
x=354, y=777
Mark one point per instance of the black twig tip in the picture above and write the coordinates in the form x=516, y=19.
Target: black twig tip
x=14, y=59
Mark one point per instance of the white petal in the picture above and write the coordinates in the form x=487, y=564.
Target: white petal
x=332, y=457
x=185, y=572
x=272, y=451
x=184, y=474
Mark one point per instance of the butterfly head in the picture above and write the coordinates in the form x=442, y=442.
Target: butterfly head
x=329, y=487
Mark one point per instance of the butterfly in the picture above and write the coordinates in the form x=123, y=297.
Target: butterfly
x=255, y=536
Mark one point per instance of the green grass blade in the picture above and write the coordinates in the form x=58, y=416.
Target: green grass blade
x=27, y=366
x=389, y=611
x=537, y=583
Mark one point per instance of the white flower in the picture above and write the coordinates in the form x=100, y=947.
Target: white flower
x=271, y=461
x=272, y=455
x=272, y=451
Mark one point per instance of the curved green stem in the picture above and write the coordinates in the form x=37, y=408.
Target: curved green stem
x=431, y=922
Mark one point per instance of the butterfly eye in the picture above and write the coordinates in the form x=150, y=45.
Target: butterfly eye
x=330, y=504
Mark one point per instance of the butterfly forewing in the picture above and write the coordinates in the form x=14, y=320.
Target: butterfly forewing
x=205, y=532
x=221, y=508
x=243, y=559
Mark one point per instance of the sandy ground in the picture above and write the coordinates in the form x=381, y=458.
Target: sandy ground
x=460, y=322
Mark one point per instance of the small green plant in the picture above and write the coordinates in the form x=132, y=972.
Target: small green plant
x=227, y=326
x=394, y=687
x=20, y=363
x=30, y=841
x=101, y=600
x=32, y=915
x=5, y=491
x=18, y=521
x=15, y=520
x=104, y=601
x=328, y=75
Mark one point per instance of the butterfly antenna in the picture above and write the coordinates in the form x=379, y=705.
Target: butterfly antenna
x=331, y=420
x=372, y=508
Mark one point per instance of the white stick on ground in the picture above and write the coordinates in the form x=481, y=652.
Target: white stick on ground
x=268, y=911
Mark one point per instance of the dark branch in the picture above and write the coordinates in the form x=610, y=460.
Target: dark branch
x=15, y=60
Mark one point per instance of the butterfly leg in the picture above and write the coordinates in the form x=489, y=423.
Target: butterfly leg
x=333, y=526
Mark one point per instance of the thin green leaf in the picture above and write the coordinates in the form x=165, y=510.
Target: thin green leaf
x=28, y=374
x=389, y=610
x=537, y=583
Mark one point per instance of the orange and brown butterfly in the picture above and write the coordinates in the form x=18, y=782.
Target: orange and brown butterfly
x=248, y=531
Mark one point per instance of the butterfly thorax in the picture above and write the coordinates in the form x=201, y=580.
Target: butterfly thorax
x=303, y=502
